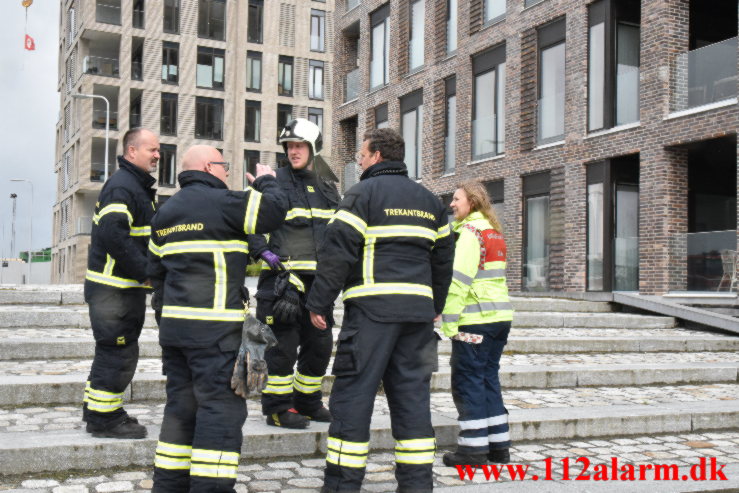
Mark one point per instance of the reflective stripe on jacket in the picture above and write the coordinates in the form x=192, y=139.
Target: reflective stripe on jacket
x=477, y=295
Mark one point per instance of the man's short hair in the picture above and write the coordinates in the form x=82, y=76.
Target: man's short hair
x=131, y=138
x=388, y=141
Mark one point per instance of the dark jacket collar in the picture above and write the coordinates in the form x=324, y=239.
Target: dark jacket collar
x=144, y=178
x=194, y=177
x=385, y=168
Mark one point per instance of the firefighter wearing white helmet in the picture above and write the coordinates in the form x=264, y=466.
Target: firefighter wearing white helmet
x=292, y=397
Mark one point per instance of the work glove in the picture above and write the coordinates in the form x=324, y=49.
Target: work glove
x=286, y=308
x=156, y=304
x=272, y=260
x=250, y=369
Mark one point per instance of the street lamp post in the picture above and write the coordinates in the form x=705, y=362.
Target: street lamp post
x=30, y=228
x=107, y=124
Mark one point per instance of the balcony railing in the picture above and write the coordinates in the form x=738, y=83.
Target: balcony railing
x=98, y=65
x=97, y=171
x=351, y=87
x=98, y=119
x=108, y=14
x=704, y=261
x=705, y=75
x=84, y=225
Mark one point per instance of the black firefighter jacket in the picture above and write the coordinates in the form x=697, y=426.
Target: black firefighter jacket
x=198, y=255
x=389, y=246
x=120, y=229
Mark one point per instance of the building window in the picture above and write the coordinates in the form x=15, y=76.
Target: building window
x=411, y=125
x=170, y=62
x=315, y=80
x=530, y=3
x=495, y=191
x=488, y=108
x=171, y=16
x=253, y=121
x=168, y=123
x=315, y=115
x=285, y=76
x=379, y=62
x=137, y=58
x=167, y=165
x=381, y=120
x=256, y=21
x=251, y=159
x=284, y=116
x=138, y=14
x=416, y=44
x=134, y=109
x=551, y=114
x=451, y=26
x=613, y=63
x=253, y=71
x=536, y=232
x=317, y=30
x=208, y=118
x=450, y=124
x=210, y=69
x=212, y=19
x=493, y=11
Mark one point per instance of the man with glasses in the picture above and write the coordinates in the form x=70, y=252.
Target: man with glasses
x=197, y=264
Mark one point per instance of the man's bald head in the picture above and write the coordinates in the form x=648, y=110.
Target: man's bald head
x=201, y=157
x=141, y=148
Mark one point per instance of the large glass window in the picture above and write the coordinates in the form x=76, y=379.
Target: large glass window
x=210, y=69
x=208, y=118
x=379, y=63
x=285, y=76
x=167, y=165
x=253, y=121
x=137, y=21
x=315, y=115
x=170, y=62
x=315, y=79
x=317, y=30
x=212, y=19
x=253, y=71
x=416, y=42
x=381, y=116
x=488, y=118
x=551, y=113
x=411, y=126
x=596, y=232
x=494, y=10
x=450, y=127
x=284, y=116
x=137, y=58
x=168, y=121
x=536, y=232
x=613, y=63
x=171, y=16
x=451, y=26
x=251, y=159
x=255, y=24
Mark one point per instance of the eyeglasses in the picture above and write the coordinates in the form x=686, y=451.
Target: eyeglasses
x=226, y=166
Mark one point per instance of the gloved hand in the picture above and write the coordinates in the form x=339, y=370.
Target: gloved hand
x=286, y=308
x=250, y=369
x=272, y=260
x=156, y=304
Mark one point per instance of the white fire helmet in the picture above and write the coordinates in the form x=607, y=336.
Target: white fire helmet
x=302, y=130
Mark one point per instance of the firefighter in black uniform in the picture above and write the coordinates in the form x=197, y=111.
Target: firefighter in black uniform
x=389, y=247
x=116, y=285
x=290, y=399
x=198, y=255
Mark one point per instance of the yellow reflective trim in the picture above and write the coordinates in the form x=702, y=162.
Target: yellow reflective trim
x=345, y=460
x=306, y=388
x=414, y=458
x=354, y=221
x=213, y=471
x=219, y=294
x=404, y=230
x=153, y=248
x=101, y=393
x=307, y=379
x=171, y=463
x=295, y=281
x=322, y=213
x=174, y=449
x=140, y=231
x=279, y=379
x=204, y=246
x=208, y=314
x=109, y=264
x=381, y=288
x=215, y=456
x=343, y=445
x=252, y=212
x=368, y=263
x=443, y=232
x=117, y=282
x=296, y=265
x=113, y=208
x=416, y=444
x=270, y=390
x=297, y=212
x=309, y=213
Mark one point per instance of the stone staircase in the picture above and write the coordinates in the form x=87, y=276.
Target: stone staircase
x=573, y=370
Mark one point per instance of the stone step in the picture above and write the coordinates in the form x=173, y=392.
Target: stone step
x=66, y=387
x=26, y=452
x=67, y=294
x=52, y=317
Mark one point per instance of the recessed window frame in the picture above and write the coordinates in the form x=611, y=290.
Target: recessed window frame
x=317, y=30
x=208, y=21
x=217, y=60
x=208, y=118
x=252, y=120
x=316, y=79
x=167, y=165
x=285, y=75
x=255, y=23
x=284, y=116
x=315, y=115
x=381, y=116
x=450, y=124
x=253, y=62
x=411, y=113
x=379, y=18
x=170, y=52
x=536, y=187
x=491, y=62
x=168, y=119
x=171, y=10
x=416, y=41
x=551, y=36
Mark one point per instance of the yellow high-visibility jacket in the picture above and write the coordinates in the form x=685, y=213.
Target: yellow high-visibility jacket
x=478, y=293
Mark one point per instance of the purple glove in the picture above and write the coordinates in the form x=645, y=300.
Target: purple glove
x=272, y=260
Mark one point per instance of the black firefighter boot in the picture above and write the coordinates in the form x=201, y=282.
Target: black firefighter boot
x=452, y=459
x=289, y=418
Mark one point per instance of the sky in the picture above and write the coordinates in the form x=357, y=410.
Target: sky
x=29, y=110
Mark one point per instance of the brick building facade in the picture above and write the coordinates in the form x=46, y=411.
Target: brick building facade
x=605, y=130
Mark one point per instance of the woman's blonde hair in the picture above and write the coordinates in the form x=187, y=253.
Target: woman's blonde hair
x=479, y=200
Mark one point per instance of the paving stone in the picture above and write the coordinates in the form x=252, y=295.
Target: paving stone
x=87, y=480
x=274, y=474
x=71, y=488
x=374, y=467
x=379, y=487
x=699, y=444
x=114, y=486
x=313, y=462
x=264, y=486
x=380, y=476
x=306, y=472
x=146, y=484
x=129, y=476
x=283, y=465
x=306, y=482
x=39, y=483
x=250, y=467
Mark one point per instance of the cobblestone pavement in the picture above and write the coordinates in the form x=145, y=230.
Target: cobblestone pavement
x=69, y=417
x=154, y=365
x=306, y=474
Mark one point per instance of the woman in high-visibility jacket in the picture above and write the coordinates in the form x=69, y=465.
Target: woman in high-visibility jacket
x=477, y=316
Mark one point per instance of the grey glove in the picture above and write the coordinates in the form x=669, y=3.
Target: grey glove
x=250, y=369
x=286, y=308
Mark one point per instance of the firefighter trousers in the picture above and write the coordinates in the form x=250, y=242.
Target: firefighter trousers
x=402, y=357
x=483, y=419
x=117, y=317
x=301, y=342
x=200, y=441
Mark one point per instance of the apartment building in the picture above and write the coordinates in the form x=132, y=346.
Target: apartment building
x=605, y=130
x=226, y=73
